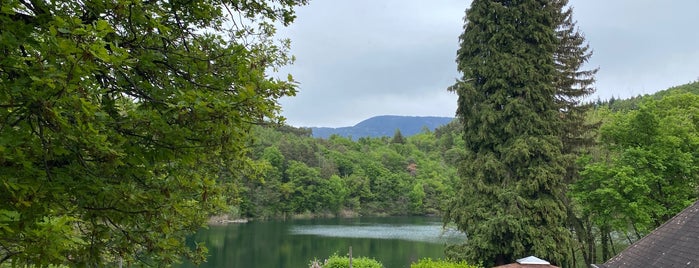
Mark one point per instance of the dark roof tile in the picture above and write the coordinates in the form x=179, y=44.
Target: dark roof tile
x=673, y=244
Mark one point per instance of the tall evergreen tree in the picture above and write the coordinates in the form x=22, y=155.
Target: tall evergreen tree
x=509, y=200
x=573, y=84
x=398, y=137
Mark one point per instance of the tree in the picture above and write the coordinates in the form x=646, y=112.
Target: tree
x=417, y=196
x=573, y=84
x=308, y=195
x=122, y=121
x=259, y=195
x=398, y=137
x=649, y=173
x=509, y=198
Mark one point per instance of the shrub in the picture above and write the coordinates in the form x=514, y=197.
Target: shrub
x=357, y=262
x=429, y=263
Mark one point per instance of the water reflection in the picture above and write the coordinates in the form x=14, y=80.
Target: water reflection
x=430, y=232
x=396, y=242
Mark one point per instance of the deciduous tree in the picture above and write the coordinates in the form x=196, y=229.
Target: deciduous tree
x=118, y=118
x=650, y=171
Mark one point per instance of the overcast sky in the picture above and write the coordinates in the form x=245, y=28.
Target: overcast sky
x=361, y=58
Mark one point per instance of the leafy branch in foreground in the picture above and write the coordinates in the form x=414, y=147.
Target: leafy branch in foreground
x=119, y=120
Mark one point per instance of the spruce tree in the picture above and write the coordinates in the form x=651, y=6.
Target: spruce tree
x=509, y=200
x=398, y=137
x=573, y=84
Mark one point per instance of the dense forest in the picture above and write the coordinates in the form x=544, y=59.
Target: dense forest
x=338, y=176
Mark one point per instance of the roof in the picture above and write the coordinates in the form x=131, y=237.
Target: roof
x=528, y=262
x=673, y=244
x=532, y=260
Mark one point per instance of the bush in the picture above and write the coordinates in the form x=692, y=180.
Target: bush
x=357, y=262
x=429, y=263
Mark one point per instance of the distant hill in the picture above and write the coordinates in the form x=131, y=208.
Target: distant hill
x=384, y=125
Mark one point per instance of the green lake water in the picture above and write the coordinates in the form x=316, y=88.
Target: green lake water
x=395, y=241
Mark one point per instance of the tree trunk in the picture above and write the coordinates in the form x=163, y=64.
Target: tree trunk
x=583, y=236
x=604, y=232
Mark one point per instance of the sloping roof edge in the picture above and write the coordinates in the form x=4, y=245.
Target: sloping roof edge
x=532, y=260
x=651, y=238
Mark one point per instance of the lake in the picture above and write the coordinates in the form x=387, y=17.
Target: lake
x=394, y=241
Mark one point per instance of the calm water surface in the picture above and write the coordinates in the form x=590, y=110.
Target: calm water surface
x=395, y=241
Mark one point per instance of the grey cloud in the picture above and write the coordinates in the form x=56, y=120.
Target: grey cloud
x=360, y=58
x=640, y=46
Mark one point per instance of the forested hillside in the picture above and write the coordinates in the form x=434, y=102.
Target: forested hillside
x=403, y=175
x=398, y=175
x=633, y=102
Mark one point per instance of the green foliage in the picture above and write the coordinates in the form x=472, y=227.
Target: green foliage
x=124, y=124
x=632, y=103
x=336, y=261
x=644, y=171
x=429, y=263
x=398, y=137
x=370, y=176
x=417, y=195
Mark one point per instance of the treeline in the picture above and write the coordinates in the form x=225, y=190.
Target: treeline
x=398, y=175
x=616, y=104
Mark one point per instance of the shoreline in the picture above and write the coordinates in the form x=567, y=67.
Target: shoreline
x=225, y=219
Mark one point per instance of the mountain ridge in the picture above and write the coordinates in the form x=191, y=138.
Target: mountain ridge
x=384, y=125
